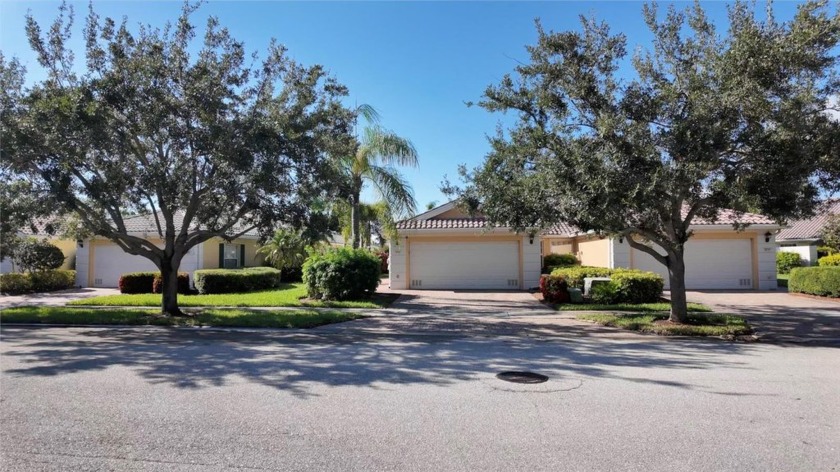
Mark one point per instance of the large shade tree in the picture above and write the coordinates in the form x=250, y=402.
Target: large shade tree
x=208, y=140
x=705, y=120
x=376, y=156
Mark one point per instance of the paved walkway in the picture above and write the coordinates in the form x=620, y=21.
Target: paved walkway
x=54, y=298
x=779, y=316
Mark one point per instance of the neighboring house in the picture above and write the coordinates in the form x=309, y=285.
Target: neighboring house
x=100, y=262
x=803, y=236
x=39, y=230
x=444, y=248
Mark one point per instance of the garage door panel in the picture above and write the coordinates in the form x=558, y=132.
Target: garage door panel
x=465, y=265
x=709, y=264
x=110, y=262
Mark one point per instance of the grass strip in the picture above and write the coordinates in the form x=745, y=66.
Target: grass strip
x=638, y=308
x=699, y=324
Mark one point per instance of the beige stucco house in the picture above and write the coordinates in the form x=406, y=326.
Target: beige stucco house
x=100, y=262
x=446, y=249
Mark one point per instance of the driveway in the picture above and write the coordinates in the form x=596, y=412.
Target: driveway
x=190, y=400
x=54, y=298
x=778, y=315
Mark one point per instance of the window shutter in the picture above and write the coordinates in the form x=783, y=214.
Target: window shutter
x=221, y=255
x=241, y=255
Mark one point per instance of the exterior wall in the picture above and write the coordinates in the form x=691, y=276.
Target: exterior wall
x=620, y=253
x=807, y=251
x=83, y=263
x=68, y=248
x=451, y=213
x=400, y=251
x=210, y=253
x=594, y=251
x=765, y=262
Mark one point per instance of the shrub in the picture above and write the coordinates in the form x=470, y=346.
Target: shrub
x=554, y=289
x=342, y=274
x=35, y=256
x=823, y=281
x=137, y=282
x=383, y=257
x=829, y=261
x=605, y=294
x=823, y=251
x=183, y=283
x=574, y=275
x=785, y=261
x=43, y=281
x=636, y=286
x=560, y=260
x=249, y=279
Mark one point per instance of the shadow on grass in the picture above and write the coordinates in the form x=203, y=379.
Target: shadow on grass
x=196, y=359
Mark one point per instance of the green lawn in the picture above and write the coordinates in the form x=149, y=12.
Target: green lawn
x=288, y=295
x=699, y=324
x=782, y=280
x=230, y=317
x=640, y=308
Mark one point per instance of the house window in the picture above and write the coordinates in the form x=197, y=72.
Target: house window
x=232, y=256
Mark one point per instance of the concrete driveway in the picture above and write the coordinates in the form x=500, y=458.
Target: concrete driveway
x=58, y=298
x=778, y=315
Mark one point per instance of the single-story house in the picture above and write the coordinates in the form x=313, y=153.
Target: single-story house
x=100, y=262
x=39, y=230
x=803, y=236
x=444, y=248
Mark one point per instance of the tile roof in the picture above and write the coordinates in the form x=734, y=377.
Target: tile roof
x=562, y=229
x=146, y=224
x=446, y=223
x=728, y=217
x=810, y=228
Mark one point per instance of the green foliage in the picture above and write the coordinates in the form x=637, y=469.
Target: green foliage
x=574, y=275
x=829, y=261
x=287, y=250
x=42, y=281
x=249, y=279
x=696, y=325
x=636, y=286
x=830, y=232
x=822, y=281
x=707, y=119
x=341, y=274
x=823, y=251
x=606, y=294
x=560, y=260
x=183, y=283
x=33, y=255
x=554, y=289
x=785, y=261
x=137, y=282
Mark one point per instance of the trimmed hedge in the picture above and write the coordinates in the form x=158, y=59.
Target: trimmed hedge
x=249, y=279
x=574, y=275
x=554, y=289
x=785, y=261
x=183, y=283
x=829, y=261
x=605, y=294
x=137, y=282
x=560, y=260
x=342, y=274
x=43, y=281
x=637, y=286
x=822, y=281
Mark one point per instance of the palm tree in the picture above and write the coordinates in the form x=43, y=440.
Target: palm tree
x=378, y=152
x=287, y=249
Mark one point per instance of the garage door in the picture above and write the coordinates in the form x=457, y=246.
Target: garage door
x=465, y=265
x=709, y=264
x=110, y=261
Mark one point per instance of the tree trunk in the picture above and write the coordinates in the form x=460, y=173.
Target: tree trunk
x=169, y=287
x=676, y=276
x=355, y=219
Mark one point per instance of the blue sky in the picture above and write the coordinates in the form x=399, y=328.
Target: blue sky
x=415, y=62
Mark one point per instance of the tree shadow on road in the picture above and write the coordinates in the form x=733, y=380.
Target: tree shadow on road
x=297, y=362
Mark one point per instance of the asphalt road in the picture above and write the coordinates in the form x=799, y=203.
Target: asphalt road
x=159, y=399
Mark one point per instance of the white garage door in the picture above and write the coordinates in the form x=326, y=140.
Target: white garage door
x=709, y=264
x=111, y=261
x=465, y=265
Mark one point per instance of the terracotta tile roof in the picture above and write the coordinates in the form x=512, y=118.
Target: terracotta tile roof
x=446, y=223
x=728, y=217
x=146, y=224
x=810, y=228
x=562, y=229
x=47, y=226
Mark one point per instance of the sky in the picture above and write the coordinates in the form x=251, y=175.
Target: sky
x=417, y=63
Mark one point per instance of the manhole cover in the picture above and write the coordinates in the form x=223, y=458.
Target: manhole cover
x=522, y=377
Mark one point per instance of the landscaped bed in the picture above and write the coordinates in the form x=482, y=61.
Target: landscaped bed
x=288, y=295
x=211, y=317
x=632, y=307
x=656, y=323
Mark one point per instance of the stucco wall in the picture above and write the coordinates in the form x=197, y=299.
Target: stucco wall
x=210, y=253
x=807, y=252
x=594, y=252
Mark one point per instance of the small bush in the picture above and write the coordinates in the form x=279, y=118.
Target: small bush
x=554, y=289
x=636, y=286
x=829, y=261
x=342, y=274
x=291, y=274
x=137, y=282
x=574, y=275
x=383, y=257
x=822, y=281
x=249, y=279
x=36, y=256
x=560, y=260
x=43, y=281
x=823, y=251
x=605, y=294
x=183, y=283
x=785, y=261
